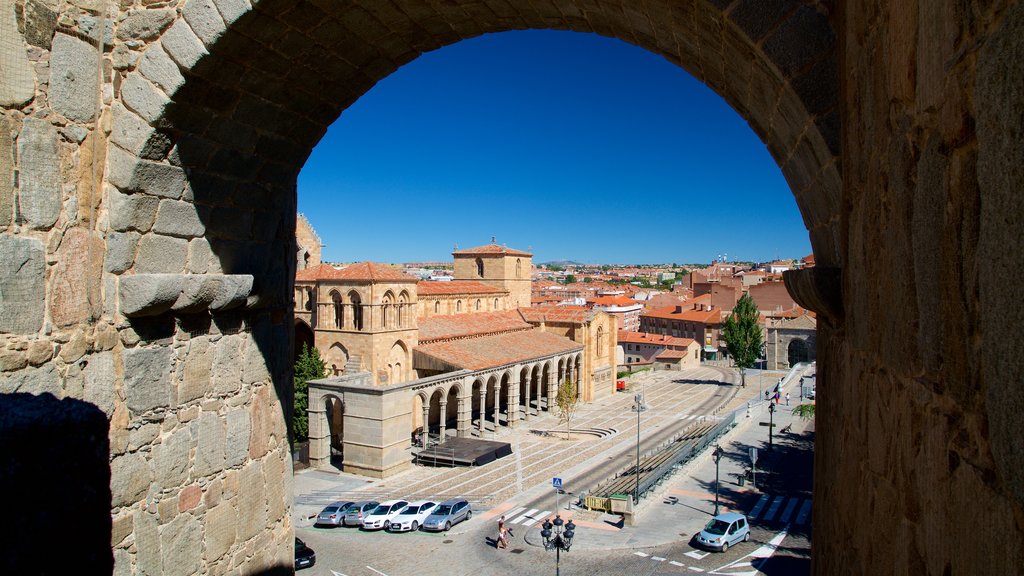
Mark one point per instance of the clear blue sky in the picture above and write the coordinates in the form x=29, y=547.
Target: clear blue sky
x=575, y=145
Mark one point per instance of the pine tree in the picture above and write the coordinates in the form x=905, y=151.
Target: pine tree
x=308, y=367
x=742, y=335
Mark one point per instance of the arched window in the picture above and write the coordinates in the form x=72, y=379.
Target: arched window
x=458, y=305
x=437, y=307
x=519, y=268
x=387, y=311
x=496, y=305
x=357, y=310
x=480, y=267
x=309, y=298
x=403, y=302
x=478, y=305
x=339, y=310
x=600, y=341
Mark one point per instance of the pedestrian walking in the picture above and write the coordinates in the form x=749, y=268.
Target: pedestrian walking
x=502, y=537
x=787, y=398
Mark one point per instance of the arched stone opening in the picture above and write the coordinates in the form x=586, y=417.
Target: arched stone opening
x=336, y=358
x=335, y=411
x=798, y=351
x=303, y=337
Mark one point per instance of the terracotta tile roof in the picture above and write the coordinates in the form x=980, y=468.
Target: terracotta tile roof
x=428, y=288
x=649, y=338
x=360, y=271
x=471, y=324
x=686, y=312
x=668, y=354
x=493, y=249
x=497, y=350
x=613, y=301
x=556, y=314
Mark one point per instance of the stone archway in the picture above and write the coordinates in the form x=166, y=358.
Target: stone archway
x=797, y=351
x=189, y=199
x=303, y=336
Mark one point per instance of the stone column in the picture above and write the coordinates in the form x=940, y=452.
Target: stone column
x=497, y=406
x=483, y=407
x=444, y=415
x=426, y=424
x=529, y=393
x=463, y=416
x=513, y=403
x=552, y=392
x=319, y=433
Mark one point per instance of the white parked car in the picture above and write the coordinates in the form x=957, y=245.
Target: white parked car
x=382, y=514
x=412, y=516
x=723, y=531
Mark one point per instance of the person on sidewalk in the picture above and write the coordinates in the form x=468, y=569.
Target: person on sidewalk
x=787, y=398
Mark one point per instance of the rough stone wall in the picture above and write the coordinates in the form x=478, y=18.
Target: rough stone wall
x=920, y=460
x=190, y=375
x=308, y=244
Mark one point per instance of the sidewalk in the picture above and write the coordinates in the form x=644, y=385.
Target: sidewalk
x=786, y=469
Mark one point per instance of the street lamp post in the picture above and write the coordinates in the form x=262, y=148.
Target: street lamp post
x=558, y=537
x=638, y=408
x=771, y=413
x=718, y=456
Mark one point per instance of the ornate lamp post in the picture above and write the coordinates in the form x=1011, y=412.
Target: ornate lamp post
x=771, y=414
x=718, y=456
x=638, y=407
x=558, y=537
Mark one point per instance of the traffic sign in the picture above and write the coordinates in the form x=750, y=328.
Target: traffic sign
x=753, y=455
x=556, y=483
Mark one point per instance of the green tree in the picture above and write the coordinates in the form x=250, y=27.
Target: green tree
x=742, y=335
x=570, y=279
x=308, y=367
x=567, y=401
x=805, y=411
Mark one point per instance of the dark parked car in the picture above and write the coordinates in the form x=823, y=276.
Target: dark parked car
x=304, y=555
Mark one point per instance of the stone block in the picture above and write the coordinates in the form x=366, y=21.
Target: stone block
x=132, y=174
x=147, y=378
x=189, y=497
x=130, y=477
x=40, y=23
x=6, y=172
x=219, y=535
x=142, y=97
x=100, y=380
x=143, y=436
x=210, y=456
x=195, y=381
x=277, y=499
x=11, y=360
x=205, y=20
x=252, y=501
x=147, y=545
x=161, y=255
x=131, y=132
x=40, y=197
x=22, y=282
x=200, y=257
x=90, y=27
x=33, y=381
x=131, y=212
x=182, y=44
x=74, y=289
x=231, y=223
x=231, y=10
x=144, y=24
x=158, y=67
x=17, y=82
x=180, y=546
x=799, y=40
x=120, y=253
x=121, y=527
x=171, y=458
x=73, y=78
x=148, y=294
x=227, y=365
x=237, y=439
x=235, y=290
x=39, y=352
x=181, y=219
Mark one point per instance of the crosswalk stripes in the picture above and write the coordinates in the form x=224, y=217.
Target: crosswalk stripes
x=805, y=510
x=524, y=516
x=770, y=514
x=512, y=514
x=790, y=506
x=801, y=506
x=541, y=516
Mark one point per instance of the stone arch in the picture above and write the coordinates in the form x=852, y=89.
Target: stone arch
x=519, y=268
x=336, y=358
x=479, y=267
x=437, y=307
x=337, y=309
x=797, y=351
x=303, y=336
x=458, y=306
x=497, y=304
x=387, y=309
x=398, y=363
x=600, y=342
x=357, y=310
x=403, y=308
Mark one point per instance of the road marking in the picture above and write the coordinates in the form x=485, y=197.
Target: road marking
x=337, y=573
x=377, y=571
x=790, y=506
x=760, y=555
x=757, y=508
x=805, y=511
x=773, y=509
x=513, y=513
x=641, y=554
x=674, y=563
x=697, y=555
x=657, y=558
x=525, y=516
x=695, y=569
x=540, y=516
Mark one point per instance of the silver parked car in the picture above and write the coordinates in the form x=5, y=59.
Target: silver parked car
x=723, y=531
x=356, y=512
x=333, y=514
x=448, y=514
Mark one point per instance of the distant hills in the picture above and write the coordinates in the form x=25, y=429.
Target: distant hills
x=562, y=263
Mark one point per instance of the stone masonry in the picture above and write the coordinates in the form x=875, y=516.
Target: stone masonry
x=148, y=159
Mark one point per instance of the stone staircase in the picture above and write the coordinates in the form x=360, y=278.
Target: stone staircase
x=354, y=364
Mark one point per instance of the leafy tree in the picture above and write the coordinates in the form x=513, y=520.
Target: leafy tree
x=805, y=411
x=555, y=268
x=570, y=279
x=567, y=401
x=308, y=367
x=742, y=335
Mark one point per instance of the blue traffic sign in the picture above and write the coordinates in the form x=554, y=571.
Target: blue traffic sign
x=556, y=483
